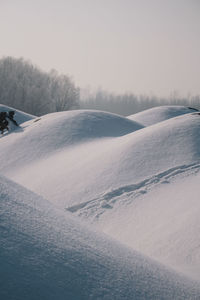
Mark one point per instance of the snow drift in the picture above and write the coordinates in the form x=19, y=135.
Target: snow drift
x=158, y=114
x=117, y=175
x=158, y=217
x=84, y=172
x=46, y=254
x=40, y=137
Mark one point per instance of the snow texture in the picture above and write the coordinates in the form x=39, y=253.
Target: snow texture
x=69, y=174
x=137, y=184
x=159, y=217
x=47, y=254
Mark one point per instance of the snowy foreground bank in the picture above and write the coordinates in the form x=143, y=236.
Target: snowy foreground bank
x=74, y=176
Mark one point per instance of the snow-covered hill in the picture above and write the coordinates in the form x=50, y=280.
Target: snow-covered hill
x=137, y=184
x=47, y=254
x=161, y=113
x=46, y=135
x=99, y=166
x=158, y=217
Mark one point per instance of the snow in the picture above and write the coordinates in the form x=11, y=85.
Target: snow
x=138, y=185
x=88, y=170
x=158, y=218
x=47, y=254
x=46, y=135
x=161, y=113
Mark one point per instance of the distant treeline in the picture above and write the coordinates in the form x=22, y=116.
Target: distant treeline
x=127, y=104
x=24, y=86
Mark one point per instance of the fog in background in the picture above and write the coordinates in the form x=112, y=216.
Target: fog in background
x=25, y=86
x=129, y=103
x=121, y=46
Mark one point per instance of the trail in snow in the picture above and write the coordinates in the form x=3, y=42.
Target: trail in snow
x=68, y=171
x=99, y=205
x=158, y=217
x=113, y=173
x=162, y=223
x=47, y=254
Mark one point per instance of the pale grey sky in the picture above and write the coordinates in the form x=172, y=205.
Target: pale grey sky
x=139, y=46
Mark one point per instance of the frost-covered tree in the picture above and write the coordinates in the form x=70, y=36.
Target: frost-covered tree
x=24, y=86
x=64, y=94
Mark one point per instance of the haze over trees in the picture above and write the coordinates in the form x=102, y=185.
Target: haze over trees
x=129, y=103
x=25, y=87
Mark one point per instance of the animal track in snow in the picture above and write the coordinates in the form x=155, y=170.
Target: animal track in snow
x=97, y=206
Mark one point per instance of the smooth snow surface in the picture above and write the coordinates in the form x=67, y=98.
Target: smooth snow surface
x=158, y=114
x=46, y=254
x=137, y=184
x=53, y=132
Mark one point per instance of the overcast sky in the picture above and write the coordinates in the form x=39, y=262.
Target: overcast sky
x=139, y=46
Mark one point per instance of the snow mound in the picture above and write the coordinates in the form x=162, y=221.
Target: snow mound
x=92, y=170
x=159, y=114
x=53, y=132
x=70, y=127
x=20, y=116
x=158, y=217
x=47, y=254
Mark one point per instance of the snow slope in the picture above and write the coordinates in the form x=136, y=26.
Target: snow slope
x=158, y=217
x=161, y=113
x=108, y=170
x=45, y=135
x=89, y=170
x=47, y=254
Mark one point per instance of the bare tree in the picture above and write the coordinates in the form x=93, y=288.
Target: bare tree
x=26, y=87
x=64, y=94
